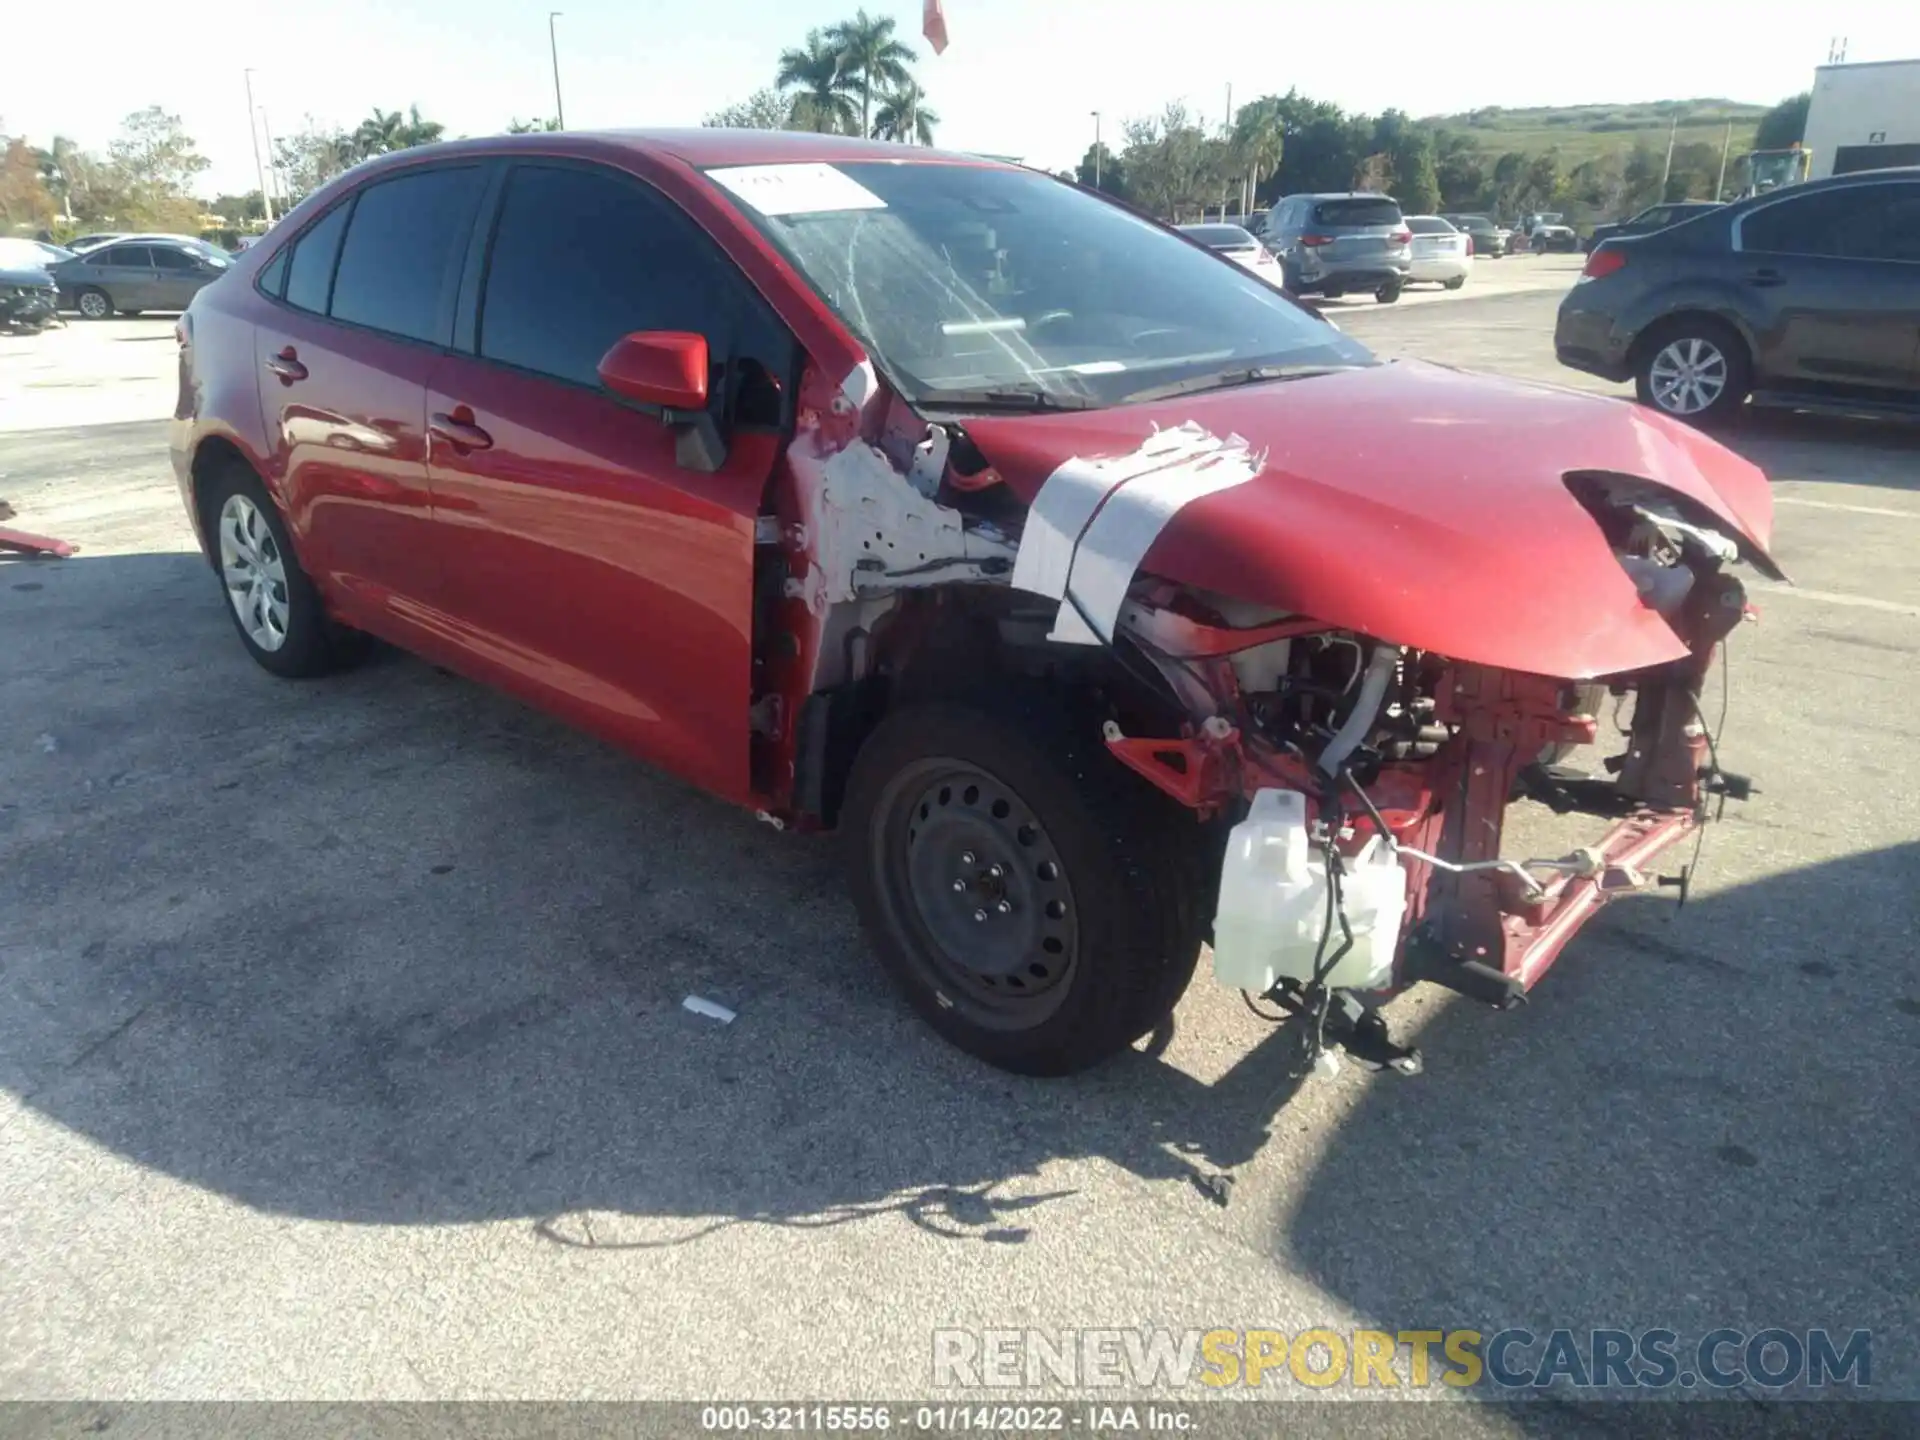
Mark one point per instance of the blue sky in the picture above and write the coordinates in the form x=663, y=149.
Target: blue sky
x=1019, y=78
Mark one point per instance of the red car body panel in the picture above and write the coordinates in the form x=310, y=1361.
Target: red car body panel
x=1421, y=505
x=580, y=566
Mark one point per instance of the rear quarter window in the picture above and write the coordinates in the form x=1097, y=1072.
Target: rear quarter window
x=1357, y=212
x=310, y=272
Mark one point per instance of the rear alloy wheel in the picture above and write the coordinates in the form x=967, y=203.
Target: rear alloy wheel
x=93, y=303
x=269, y=597
x=1696, y=370
x=1036, y=903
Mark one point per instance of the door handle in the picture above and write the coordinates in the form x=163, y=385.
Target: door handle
x=1765, y=278
x=459, y=431
x=287, y=366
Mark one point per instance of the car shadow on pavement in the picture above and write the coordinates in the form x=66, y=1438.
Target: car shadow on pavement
x=1852, y=450
x=1698, y=1122
x=391, y=949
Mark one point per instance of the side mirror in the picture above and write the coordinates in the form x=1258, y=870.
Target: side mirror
x=667, y=368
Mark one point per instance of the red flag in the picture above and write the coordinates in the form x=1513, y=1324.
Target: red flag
x=934, y=26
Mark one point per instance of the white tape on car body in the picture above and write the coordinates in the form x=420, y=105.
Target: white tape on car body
x=1092, y=523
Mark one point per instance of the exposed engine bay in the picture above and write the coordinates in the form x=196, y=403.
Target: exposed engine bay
x=901, y=556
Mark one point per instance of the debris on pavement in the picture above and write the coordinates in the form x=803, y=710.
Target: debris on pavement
x=712, y=1009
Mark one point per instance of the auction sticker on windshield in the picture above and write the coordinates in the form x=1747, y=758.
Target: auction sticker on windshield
x=811, y=189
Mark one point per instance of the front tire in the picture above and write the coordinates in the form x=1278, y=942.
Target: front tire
x=270, y=599
x=1039, y=906
x=1694, y=369
x=94, y=303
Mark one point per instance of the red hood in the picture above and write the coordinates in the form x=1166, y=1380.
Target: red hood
x=1421, y=505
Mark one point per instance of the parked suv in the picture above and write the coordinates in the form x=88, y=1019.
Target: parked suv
x=932, y=500
x=1333, y=244
x=1807, y=297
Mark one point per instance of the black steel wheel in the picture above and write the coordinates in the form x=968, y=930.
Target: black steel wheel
x=973, y=876
x=1038, y=904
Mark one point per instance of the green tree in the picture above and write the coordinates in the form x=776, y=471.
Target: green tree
x=385, y=131
x=1111, y=169
x=1785, y=124
x=816, y=72
x=311, y=156
x=237, y=209
x=904, y=116
x=155, y=164
x=871, y=58
x=25, y=201
x=1260, y=141
x=1542, y=180
x=765, y=109
x=1459, y=170
x=1639, y=179
x=544, y=126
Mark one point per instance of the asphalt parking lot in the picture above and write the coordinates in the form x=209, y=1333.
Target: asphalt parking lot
x=341, y=1049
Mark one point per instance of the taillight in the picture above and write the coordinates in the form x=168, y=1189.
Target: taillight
x=1402, y=237
x=1469, y=245
x=1603, y=262
x=1313, y=241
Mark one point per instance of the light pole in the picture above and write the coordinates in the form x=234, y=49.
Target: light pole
x=1096, y=148
x=553, y=46
x=259, y=170
x=273, y=172
x=1666, y=172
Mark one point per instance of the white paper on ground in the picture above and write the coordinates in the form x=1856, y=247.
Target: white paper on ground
x=712, y=1009
x=810, y=189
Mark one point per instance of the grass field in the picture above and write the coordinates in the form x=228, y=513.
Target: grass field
x=1585, y=132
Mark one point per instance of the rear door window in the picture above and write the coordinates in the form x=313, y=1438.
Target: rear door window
x=165, y=259
x=310, y=273
x=1890, y=230
x=134, y=256
x=1830, y=223
x=404, y=243
x=1357, y=212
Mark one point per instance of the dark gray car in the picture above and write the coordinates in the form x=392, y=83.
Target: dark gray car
x=1805, y=298
x=131, y=276
x=1332, y=244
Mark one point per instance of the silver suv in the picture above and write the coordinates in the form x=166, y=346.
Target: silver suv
x=1331, y=244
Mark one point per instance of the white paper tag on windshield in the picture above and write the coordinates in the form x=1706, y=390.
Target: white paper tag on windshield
x=796, y=189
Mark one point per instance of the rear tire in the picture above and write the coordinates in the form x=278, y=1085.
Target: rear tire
x=273, y=604
x=1041, y=907
x=1456, y=282
x=1389, y=293
x=1694, y=368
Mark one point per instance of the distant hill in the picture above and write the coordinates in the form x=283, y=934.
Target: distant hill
x=1585, y=132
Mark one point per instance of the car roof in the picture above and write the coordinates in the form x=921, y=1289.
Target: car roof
x=699, y=147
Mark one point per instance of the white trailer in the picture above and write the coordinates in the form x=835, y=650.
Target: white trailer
x=1864, y=117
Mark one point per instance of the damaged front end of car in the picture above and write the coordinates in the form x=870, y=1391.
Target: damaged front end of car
x=1350, y=737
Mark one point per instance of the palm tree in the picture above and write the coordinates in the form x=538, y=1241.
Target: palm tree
x=869, y=55
x=418, y=131
x=823, y=103
x=378, y=133
x=1259, y=136
x=904, y=116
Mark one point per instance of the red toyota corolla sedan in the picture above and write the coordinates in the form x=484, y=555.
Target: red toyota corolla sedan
x=1106, y=598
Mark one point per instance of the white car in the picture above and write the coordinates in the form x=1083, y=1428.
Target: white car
x=1442, y=253
x=1237, y=245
